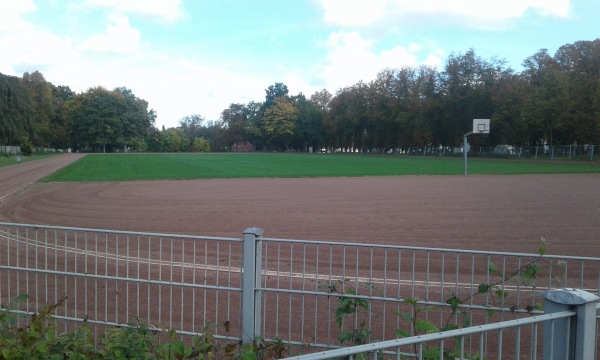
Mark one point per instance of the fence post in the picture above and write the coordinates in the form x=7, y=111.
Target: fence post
x=251, y=297
x=580, y=331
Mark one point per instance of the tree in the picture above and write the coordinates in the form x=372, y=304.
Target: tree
x=41, y=96
x=200, y=144
x=234, y=120
x=546, y=97
x=309, y=124
x=192, y=126
x=95, y=118
x=134, y=117
x=102, y=118
x=59, y=126
x=279, y=123
x=16, y=111
x=580, y=64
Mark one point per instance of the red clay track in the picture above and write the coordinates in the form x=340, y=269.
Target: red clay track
x=496, y=213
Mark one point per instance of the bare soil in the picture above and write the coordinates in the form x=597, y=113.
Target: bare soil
x=495, y=213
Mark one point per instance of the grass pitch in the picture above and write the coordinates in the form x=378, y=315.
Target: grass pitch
x=12, y=159
x=128, y=167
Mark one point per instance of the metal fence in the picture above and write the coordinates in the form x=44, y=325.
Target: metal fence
x=540, y=152
x=169, y=281
x=312, y=295
x=10, y=150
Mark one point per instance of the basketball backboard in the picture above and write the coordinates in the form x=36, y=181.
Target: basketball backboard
x=481, y=126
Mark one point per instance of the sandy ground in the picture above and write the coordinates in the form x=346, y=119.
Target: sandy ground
x=495, y=213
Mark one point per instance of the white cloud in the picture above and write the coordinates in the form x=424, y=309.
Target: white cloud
x=11, y=15
x=120, y=37
x=162, y=10
x=351, y=58
x=487, y=14
x=35, y=50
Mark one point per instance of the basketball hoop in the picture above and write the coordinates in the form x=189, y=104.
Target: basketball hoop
x=480, y=127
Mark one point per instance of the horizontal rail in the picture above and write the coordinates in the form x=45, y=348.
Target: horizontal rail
x=372, y=347
x=425, y=249
x=135, y=233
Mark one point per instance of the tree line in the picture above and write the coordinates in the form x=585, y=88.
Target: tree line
x=554, y=99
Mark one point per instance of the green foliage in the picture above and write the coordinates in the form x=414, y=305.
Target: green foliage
x=201, y=145
x=26, y=147
x=135, y=340
x=415, y=323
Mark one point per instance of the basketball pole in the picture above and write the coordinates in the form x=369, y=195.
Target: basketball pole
x=465, y=150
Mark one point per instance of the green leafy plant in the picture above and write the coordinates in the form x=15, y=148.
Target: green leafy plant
x=38, y=339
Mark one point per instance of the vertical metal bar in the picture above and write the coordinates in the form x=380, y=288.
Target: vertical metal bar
x=229, y=250
x=385, y=261
x=127, y=257
x=265, y=300
x=138, y=276
x=427, y=281
x=316, y=315
x=356, y=285
x=37, y=266
x=251, y=300
x=160, y=262
x=518, y=283
x=500, y=343
x=96, y=279
x=46, y=301
x=148, y=288
x=290, y=303
x=456, y=288
x=303, y=291
x=398, y=294
x=442, y=278
x=171, y=255
x=481, y=345
x=329, y=297
x=518, y=343
x=116, y=275
x=533, y=342
x=581, y=272
x=181, y=293
x=106, y=273
x=194, y=282
x=277, y=297
x=86, y=271
x=217, y=276
x=205, y=282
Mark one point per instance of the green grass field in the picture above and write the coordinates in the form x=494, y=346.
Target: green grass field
x=126, y=167
x=11, y=160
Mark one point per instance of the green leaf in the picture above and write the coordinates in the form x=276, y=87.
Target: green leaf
x=411, y=301
x=426, y=327
x=492, y=267
x=405, y=316
x=501, y=294
x=542, y=249
x=402, y=333
x=483, y=288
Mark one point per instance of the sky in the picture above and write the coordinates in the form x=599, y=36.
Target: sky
x=196, y=57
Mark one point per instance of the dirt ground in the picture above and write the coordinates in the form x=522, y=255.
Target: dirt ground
x=495, y=213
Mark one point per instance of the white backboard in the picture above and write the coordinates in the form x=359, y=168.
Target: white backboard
x=481, y=126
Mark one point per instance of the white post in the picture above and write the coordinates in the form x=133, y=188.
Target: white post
x=573, y=338
x=251, y=297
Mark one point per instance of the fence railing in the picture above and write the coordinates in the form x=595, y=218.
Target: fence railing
x=540, y=152
x=291, y=290
x=176, y=282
